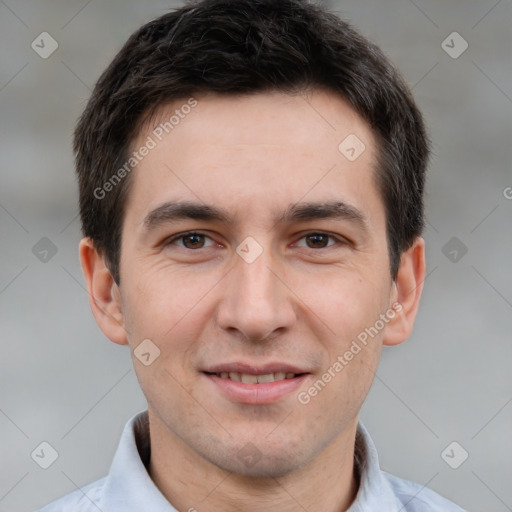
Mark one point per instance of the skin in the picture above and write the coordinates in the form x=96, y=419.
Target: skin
x=298, y=302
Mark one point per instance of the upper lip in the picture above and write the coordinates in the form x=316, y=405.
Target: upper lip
x=254, y=369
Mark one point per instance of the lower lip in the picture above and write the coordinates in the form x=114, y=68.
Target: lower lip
x=259, y=394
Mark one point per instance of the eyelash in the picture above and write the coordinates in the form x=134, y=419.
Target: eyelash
x=179, y=236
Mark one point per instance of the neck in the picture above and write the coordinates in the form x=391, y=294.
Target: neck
x=328, y=483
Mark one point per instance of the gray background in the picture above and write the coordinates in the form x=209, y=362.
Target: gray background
x=63, y=382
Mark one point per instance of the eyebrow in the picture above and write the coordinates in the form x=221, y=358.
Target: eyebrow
x=174, y=211
x=301, y=212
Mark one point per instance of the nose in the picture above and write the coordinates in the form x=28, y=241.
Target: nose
x=256, y=302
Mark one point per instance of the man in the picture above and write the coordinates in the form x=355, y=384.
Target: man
x=251, y=177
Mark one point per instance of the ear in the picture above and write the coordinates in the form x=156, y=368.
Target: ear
x=104, y=294
x=405, y=298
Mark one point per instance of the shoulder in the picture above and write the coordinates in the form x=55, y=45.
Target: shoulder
x=85, y=499
x=415, y=497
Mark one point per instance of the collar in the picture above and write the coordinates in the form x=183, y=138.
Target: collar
x=375, y=491
x=129, y=482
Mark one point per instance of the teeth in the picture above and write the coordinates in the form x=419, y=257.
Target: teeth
x=269, y=377
x=254, y=379
x=249, y=379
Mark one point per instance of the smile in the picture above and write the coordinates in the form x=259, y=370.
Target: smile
x=245, y=383
x=248, y=378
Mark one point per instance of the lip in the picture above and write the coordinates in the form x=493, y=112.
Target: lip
x=256, y=394
x=254, y=369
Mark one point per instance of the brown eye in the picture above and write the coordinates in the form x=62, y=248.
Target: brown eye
x=317, y=240
x=193, y=241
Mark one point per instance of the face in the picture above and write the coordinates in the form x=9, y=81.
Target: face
x=254, y=254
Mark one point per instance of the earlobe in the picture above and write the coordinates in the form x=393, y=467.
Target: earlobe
x=407, y=293
x=104, y=295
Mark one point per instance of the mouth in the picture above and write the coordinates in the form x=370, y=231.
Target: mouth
x=248, y=378
x=257, y=385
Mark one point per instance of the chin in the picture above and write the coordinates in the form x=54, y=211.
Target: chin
x=259, y=459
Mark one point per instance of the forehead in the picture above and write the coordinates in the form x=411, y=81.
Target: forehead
x=310, y=119
x=256, y=151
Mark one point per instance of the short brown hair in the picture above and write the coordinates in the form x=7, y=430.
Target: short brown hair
x=247, y=46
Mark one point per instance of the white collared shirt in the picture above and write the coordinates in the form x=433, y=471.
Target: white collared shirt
x=129, y=488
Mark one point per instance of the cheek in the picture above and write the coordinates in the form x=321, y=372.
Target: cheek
x=345, y=300
x=171, y=308
x=348, y=304
x=161, y=301
x=340, y=390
